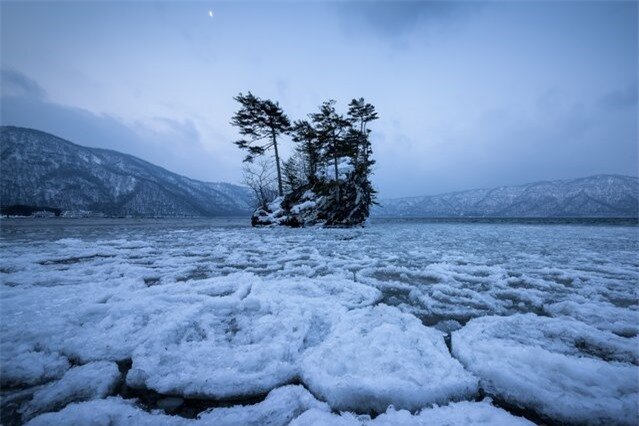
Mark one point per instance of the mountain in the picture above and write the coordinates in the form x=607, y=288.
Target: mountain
x=40, y=169
x=594, y=196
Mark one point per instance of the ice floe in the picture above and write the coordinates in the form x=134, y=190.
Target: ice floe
x=89, y=381
x=560, y=368
x=278, y=409
x=457, y=413
x=376, y=357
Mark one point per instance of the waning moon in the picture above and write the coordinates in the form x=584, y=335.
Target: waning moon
x=210, y=13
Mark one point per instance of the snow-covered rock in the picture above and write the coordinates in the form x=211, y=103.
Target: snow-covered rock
x=560, y=368
x=376, y=357
x=90, y=381
x=317, y=202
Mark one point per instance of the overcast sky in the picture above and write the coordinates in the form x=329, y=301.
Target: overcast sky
x=470, y=94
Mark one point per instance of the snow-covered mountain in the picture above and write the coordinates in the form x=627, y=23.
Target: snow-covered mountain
x=43, y=170
x=594, y=196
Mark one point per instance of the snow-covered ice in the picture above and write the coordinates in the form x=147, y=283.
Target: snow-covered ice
x=561, y=368
x=279, y=408
x=90, y=381
x=464, y=413
x=376, y=357
x=360, y=317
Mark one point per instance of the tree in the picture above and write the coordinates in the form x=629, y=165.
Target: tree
x=259, y=177
x=306, y=137
x=261, y=122
x=360, y=114
x=294, y=172
x=330, y=128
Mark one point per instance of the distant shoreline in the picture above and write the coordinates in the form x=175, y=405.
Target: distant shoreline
x=374, y=220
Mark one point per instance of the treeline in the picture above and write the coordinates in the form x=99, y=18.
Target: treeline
x=24, y=210
x=332, y=155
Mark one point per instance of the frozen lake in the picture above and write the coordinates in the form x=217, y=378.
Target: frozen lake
x=541, y=316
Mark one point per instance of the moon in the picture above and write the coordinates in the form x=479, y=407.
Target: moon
x=210, y=13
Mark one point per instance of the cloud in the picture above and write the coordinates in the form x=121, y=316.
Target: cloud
x=619, y=99
x=167, y=142
x=395, y=19
x=14, y=83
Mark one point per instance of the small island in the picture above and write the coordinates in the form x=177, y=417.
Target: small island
x=326, y=181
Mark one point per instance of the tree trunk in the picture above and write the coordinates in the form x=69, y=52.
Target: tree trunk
x=336, y=177
x=277, y=164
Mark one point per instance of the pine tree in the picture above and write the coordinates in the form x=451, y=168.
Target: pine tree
x=306, y=137
x=261, y=122
x=360, y=114
x=331, y=127
x=294, y=173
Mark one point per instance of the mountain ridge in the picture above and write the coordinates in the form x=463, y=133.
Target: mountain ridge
x=39, y=168
x=604, y=195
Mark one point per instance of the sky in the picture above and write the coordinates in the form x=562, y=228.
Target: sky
x=470, y=94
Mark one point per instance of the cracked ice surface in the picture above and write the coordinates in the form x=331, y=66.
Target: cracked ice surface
x=217, y=309
x=561, y=368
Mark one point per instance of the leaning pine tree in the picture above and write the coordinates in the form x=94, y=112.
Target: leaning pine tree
x=261, y=122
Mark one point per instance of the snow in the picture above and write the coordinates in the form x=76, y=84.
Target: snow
x=23, y=364
x=224, y=349
x=246, y=343
x=378, y=357
x=605, y=316
x=344, y=167
x=89, y=381
x=561, y=368
x=219, y=310
x=457, y=413
x=280, y=407
x=113, y=411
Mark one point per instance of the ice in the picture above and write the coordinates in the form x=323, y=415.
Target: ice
x=376, y=357
x=317, y=417
x=237, y=346
x=279, y=407
x=113, y=411
x=221, y=350
x=457, y=413
x=217, y=309
x=23, y=365
x=89, y=381
x=561, y=368
x=605, y=316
